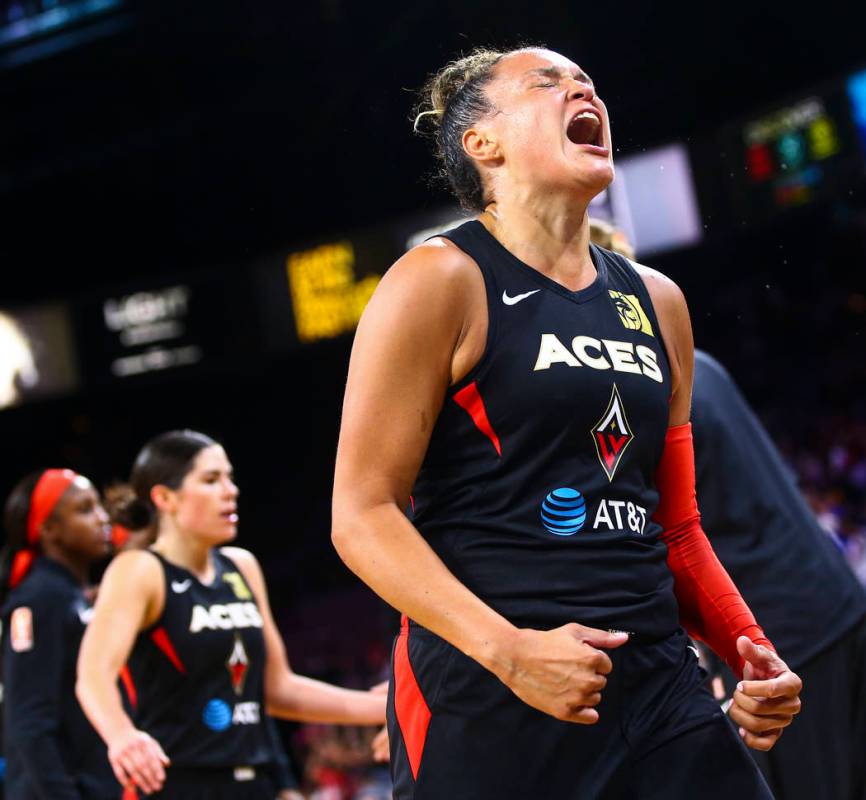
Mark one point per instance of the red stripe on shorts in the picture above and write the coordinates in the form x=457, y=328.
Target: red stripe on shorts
x=413, y=715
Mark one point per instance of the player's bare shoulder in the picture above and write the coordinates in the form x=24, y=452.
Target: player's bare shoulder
x=434, y=292
x=670, y=306
x=437, y=262
x=666, y=295
x=133, y=569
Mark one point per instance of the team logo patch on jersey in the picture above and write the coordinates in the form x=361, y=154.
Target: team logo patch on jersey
x=237, y=665
x=612, y=434
x=563, y=511
x=21, y=630
x=631, y=314
x=239, y=587
x=217, y=715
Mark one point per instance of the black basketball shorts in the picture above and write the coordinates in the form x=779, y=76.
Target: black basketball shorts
x=457, y=732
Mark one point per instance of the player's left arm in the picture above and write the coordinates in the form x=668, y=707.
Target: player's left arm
x=294, y=696
x=711, y=607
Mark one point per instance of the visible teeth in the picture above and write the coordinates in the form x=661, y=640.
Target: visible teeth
x=587, y=115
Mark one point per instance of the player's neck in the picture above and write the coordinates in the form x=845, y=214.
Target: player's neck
x=79, y=566
x=186, y=551
x=553, y=241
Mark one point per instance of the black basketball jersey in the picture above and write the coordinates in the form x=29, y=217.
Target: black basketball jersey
x=198, y=672
x=537, y=489
x=50, y=747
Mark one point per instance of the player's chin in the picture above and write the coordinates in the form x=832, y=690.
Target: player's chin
x=597, y=172
x=592, y=174
x=226, y=532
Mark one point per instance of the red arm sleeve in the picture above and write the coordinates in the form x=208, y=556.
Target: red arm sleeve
x=711, y=607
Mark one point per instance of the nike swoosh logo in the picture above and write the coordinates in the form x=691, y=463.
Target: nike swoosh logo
x=181, y=586
x=511, y=301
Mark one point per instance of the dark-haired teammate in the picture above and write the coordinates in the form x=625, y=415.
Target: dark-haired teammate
x=795, y=577
x=531, y=393
x=192, y=620
x=56, y=529
x=139, y=533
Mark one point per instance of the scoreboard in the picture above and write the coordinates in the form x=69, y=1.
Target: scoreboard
x=792, y=156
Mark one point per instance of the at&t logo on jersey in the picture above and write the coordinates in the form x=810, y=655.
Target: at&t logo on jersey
x=225, y=616
x=612, y=434
x=587, y=351
x=620, y=515
x=219, y=716
x=563, y=511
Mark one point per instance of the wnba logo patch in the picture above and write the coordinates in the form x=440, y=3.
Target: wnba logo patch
x=631, y=314
x=237, y=665
x=563, y=511
x=612, y=435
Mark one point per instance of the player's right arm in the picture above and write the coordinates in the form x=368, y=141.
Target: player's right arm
x=131, y=597
x=422, y=331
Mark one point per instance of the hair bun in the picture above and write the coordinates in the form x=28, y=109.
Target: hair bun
x=125, y=508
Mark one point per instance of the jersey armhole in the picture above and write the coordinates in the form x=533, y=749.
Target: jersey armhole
x=490, y=293
x=146, y=631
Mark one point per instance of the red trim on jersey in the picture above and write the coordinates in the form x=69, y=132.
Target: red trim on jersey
x=129, y=686
x=161, y=640
x=130, y=793
x=711, y=607
x=413, y=714
x=470, y=401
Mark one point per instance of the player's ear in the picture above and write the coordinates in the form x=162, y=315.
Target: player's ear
x=481, y=144
x=51, y=529
x=164, y=498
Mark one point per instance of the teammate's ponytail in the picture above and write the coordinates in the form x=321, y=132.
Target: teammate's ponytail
x=126, y=509
x=15, y=515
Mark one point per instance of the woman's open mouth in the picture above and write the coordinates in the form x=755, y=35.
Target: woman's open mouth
x=585, y=128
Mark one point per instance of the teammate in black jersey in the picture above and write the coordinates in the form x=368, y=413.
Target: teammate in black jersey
x=139, y=534
x=796, y=578
x=56, y=529
x=204, y=655
x=527, y=397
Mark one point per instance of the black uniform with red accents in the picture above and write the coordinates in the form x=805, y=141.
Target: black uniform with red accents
x=198, y=672
x=537, y=491
x=538, y=485
x=51, y=749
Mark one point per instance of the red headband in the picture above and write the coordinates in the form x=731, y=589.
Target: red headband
x=43, y=500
